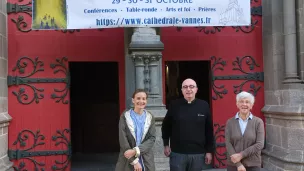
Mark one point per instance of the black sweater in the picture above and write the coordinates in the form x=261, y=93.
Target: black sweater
x=188, y=127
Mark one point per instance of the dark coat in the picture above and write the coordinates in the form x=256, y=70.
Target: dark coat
x=127, y=141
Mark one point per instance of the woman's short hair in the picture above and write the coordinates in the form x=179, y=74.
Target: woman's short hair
x=243, y=95
x=139, y=91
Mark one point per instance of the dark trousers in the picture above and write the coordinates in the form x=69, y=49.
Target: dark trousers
x=186, y=162
x=233, y=168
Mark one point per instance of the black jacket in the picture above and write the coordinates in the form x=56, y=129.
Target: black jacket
x=188, y=127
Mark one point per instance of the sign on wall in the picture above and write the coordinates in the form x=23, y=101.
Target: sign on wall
x=85, y=14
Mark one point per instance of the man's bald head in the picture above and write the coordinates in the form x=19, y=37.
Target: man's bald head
x=189, y=89
x=189, y=81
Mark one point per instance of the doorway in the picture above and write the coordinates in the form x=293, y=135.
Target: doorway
x=177, y=71
x=94, y=114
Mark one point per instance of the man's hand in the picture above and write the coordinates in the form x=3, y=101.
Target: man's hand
x=137, y=167
x=208, y=158
x=167, y=151
x=236, y=157
x=241, y=168
x=129, y=153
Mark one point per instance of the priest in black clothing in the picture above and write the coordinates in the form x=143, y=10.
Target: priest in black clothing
x=187, y=131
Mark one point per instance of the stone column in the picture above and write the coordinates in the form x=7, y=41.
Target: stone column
x=146, y=46
x=291, y=71
x=5, y=164
x=283, y=110
x=300, y=37
x=139, y=70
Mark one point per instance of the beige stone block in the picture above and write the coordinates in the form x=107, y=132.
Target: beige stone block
x=273, y=135
x=4, y=119
x=284, y=165
x=3, y=87
x=4, y=6
x=5, y=130
x=1, y=46
x=3, y=68
x=5, y=164
x=3, y=27
x=288, y=123
x=266, y=164
x=3, y=104
x=293, y=138
x=4, y=47
x=3, y=144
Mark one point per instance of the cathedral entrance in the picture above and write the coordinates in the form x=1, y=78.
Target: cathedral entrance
x=94, y=115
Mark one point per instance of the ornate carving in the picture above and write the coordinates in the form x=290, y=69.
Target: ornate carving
x=38, y=140
x=256, y=76
x=21, y=95
x=21, y=24
x=219, y=134
x=27, y=80
x=246, y=29
x=211, y=30
x=218, y=64
x=61, y=68
x=220, y=90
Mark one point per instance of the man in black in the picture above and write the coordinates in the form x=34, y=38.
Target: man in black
x=188, y=127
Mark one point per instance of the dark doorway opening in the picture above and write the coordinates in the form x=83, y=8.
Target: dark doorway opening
x=178, y=71
x=94, y=113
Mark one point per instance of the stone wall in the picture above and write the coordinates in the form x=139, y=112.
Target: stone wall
x=283, y=109
x=5, y=164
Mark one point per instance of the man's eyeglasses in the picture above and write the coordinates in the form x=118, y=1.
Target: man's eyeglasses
x=188, y=86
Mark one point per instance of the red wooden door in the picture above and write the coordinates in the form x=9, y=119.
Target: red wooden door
x=39, y=84
x=236, y=64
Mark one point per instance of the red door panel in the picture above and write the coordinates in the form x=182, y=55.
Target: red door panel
x=38, y=86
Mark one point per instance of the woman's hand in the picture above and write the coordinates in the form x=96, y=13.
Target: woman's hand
x=137, y=167
x=241, y=168
x=236, y=157
x=129, y=153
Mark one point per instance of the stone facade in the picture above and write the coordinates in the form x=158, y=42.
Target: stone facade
x=284, y=90
x=5, y=164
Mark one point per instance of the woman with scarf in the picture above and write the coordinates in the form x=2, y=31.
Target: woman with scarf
x=136, y=136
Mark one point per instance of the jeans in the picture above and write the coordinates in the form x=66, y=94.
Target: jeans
x=186, y=162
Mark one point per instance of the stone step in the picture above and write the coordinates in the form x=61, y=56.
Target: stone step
x=226, y=169
x=166, y=169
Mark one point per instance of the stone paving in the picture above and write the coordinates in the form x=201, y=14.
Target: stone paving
x=105, y=162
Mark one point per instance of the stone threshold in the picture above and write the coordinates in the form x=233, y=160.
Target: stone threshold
x=226, y=169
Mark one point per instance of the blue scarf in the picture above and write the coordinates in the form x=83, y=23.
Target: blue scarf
x=139, y=124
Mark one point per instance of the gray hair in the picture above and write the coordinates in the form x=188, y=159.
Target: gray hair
x=243, y=95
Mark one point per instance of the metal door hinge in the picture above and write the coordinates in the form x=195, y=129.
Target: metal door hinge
x=16, y=8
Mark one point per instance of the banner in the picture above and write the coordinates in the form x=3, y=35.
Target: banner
x=86, y=14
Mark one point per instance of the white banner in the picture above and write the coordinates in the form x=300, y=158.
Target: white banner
x=84, y=14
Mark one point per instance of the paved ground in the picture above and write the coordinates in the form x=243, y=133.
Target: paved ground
x=104, y=162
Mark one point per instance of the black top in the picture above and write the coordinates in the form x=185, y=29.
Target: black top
x=188, y=126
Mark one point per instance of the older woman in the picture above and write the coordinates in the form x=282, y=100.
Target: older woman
x=244, y=134
x=136, y=136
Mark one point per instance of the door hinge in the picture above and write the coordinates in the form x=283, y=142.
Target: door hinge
x=16, y=8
